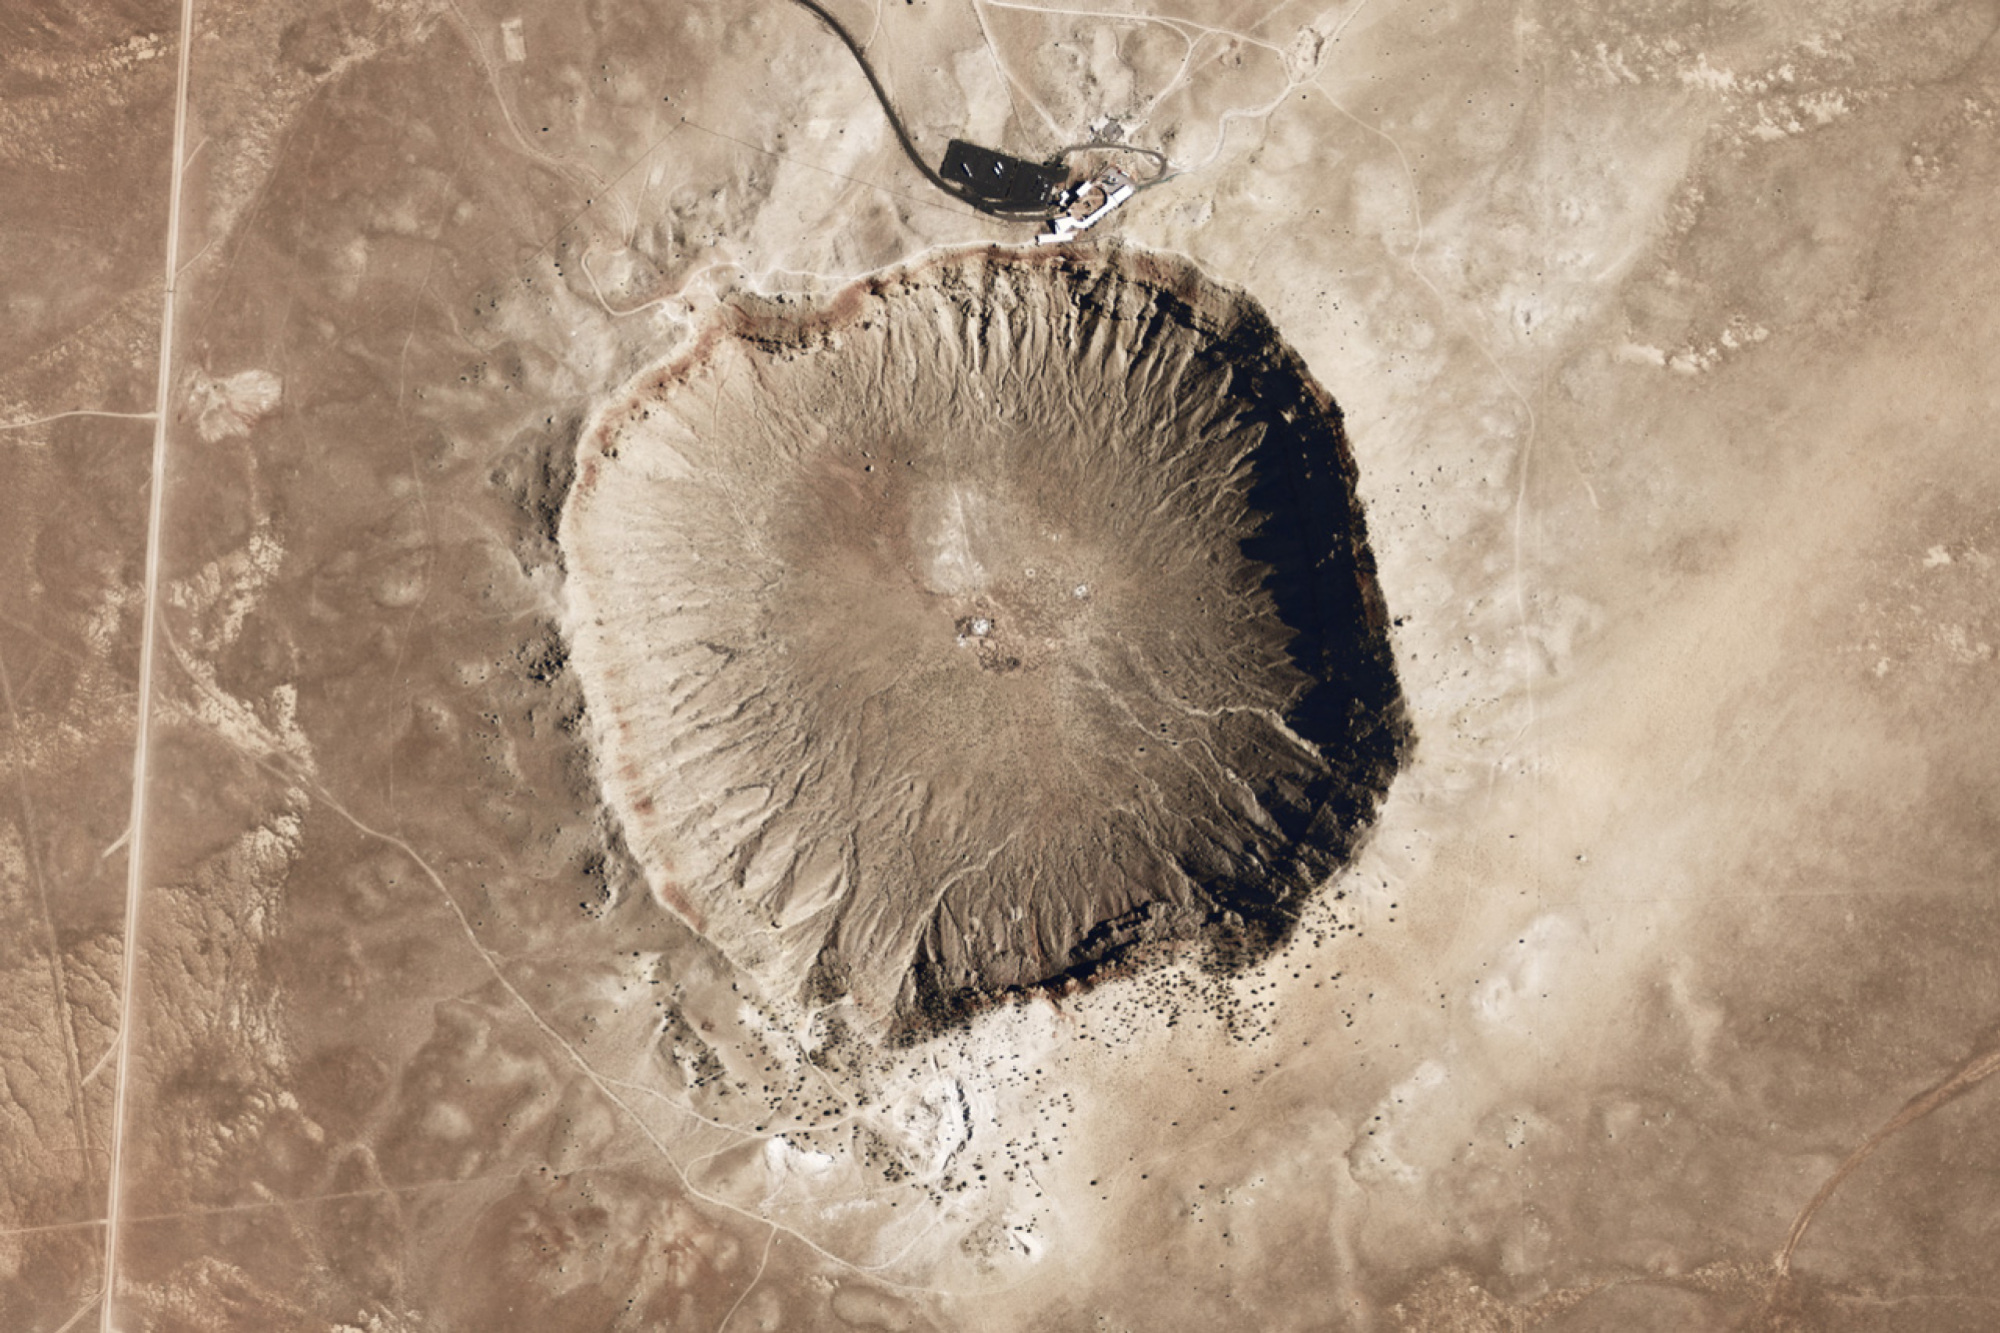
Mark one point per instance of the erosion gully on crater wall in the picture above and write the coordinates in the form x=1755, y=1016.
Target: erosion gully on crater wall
x=1007, y=617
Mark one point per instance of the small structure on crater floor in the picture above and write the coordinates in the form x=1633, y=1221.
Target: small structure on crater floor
x=1000, y=620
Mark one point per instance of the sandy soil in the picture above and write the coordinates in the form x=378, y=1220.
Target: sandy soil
x=335, y=996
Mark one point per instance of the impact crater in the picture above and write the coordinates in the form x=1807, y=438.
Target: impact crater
x=1006, y=616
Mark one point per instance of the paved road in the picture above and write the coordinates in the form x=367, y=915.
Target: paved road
x=917, y=159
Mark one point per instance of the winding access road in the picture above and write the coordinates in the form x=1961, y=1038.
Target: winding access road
x=917, y=159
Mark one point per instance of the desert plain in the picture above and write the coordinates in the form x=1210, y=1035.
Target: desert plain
x=344, y=987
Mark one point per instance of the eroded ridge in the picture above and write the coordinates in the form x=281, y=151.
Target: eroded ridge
x=1003, y=616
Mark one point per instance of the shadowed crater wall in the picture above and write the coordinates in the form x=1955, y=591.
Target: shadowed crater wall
x=1005, y=615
